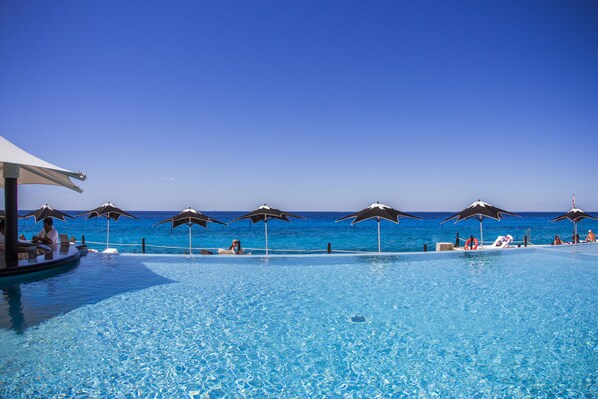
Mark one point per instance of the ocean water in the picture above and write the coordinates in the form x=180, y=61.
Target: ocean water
x=501, y=324
x=304, y=236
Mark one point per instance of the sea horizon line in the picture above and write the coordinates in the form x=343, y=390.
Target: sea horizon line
x=312, y=211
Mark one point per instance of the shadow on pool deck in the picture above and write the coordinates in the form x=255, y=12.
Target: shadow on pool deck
x=30, y=300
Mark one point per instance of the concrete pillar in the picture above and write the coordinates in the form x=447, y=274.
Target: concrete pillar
x=11, y=226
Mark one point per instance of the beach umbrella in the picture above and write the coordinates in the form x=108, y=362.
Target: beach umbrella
x=190, y=217
x=47, y=211
x=20, y=167
x=377, y=211
x=29, y=169
x=575, y=215
x=265, y=213
x=480, y=210
x=108, y=211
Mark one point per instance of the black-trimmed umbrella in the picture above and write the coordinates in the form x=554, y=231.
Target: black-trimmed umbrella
x=265, y=213
x=109, y=211
x=480, y=210
x=575, y=215
x=47, y=211
x=190, y=217
x=378, y=211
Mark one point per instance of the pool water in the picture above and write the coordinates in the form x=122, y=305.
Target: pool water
x=521, y=323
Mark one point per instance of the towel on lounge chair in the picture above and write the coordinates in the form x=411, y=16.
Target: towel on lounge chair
x=502, y=241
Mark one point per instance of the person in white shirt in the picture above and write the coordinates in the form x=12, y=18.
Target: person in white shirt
x=48, y=235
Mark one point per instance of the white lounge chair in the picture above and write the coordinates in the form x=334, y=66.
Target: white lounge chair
x=502, y=241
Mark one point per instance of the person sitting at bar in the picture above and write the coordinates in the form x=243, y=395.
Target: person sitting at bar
x=591, y=236
x=22, y=248
x=557, y=241
x=48, y=235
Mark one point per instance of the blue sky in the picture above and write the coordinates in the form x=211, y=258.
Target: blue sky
x=305, y=105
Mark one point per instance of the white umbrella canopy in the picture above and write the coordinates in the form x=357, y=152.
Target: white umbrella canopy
x=20, y=167
x=33, y=170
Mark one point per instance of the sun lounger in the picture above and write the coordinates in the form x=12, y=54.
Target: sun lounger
x=502, y=241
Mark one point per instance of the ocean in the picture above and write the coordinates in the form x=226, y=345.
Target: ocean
x=302, y=236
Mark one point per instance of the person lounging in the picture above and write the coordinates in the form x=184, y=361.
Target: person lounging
x=232, y=250
x=240, y=250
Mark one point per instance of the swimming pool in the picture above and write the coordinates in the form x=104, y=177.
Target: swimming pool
x=502, y=324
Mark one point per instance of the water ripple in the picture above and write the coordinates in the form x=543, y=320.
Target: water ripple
x=499, y=327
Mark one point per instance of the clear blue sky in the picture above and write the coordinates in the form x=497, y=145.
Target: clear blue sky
x=305, y=105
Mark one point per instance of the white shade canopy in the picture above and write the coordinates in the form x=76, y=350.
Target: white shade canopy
x=28, y=169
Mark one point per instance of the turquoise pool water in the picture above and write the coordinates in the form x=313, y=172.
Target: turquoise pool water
x=519, y=323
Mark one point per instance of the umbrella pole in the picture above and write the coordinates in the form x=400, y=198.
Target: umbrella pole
x=190, y=246
x=266, y=230
x=378, y=235
x=108, y=232
x=481, y=234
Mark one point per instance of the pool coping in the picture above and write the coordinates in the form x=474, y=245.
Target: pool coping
x=58, y=256
x=565, y=250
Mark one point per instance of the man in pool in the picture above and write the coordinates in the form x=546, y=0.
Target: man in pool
x=591, y=236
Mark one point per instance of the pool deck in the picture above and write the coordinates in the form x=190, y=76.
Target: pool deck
x=57, y=256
